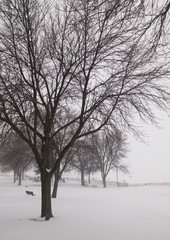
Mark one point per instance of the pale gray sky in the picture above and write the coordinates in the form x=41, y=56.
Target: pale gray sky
x=150, y=162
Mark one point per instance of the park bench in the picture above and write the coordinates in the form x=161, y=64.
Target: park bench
x=30, y=193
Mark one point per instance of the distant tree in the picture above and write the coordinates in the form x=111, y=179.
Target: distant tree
x=58, y=174
x=120, y=167
x=16, y=156
x=83, y=159
x=57, y=145
x=110, y=148
x=98, y=59
x=92, y=166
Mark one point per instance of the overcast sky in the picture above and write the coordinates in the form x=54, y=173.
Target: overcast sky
x=150, y=161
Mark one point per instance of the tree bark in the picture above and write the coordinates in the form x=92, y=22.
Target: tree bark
x=15, y=176
x=19, y=178
x=46, y=209
x=56, y=180
x=82, y=177
x=104, y=181
x=89, y=180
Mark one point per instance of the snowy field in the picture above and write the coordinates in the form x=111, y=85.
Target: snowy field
x=85, y=213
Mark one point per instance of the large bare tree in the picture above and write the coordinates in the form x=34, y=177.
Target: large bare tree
x=87, y=62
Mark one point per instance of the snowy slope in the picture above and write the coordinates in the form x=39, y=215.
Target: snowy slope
x=85, y=213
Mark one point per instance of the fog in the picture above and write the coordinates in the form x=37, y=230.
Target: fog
x=149, y=161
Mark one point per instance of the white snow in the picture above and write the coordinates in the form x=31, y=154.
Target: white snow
x=85, y=213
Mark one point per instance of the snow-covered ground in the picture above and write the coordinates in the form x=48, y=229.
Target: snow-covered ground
x=85, y=213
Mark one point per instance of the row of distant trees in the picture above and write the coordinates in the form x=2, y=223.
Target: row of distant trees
x=70, y=68
x=102, y=152
x=15, y=156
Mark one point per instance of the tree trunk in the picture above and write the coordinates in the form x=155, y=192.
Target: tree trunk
x=56, y=180
x=15, y=176
x=82, y=177
x=46, y=209
x=89, y=180
x=104, y=181
x=19, y=178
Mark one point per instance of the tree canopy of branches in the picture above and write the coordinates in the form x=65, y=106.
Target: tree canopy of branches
x=84, y=62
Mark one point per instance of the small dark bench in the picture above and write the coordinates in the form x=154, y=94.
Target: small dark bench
x=30, y=193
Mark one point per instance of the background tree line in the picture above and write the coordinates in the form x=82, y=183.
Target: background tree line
x=102, y=153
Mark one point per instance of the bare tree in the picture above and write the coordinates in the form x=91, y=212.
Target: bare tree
x=57, y=144
x=110, y=149
x=16, y=156
x=88, y=62
x=58, y=174
x=92, y=165
x=83, y=159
